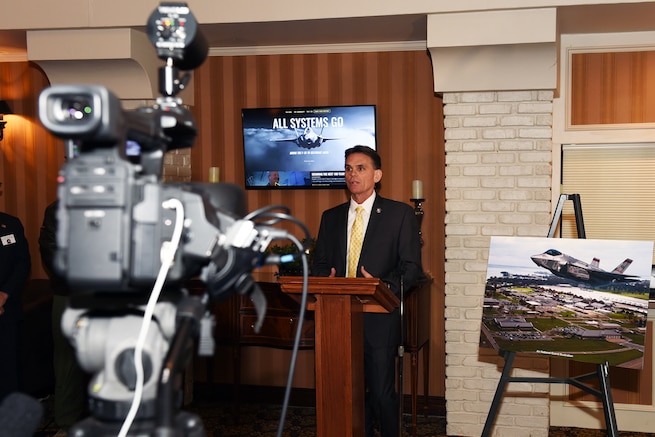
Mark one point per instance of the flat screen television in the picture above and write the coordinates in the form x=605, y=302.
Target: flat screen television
x=303, y=146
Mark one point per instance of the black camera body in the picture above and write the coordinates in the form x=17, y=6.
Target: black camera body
x=115, y=216
x=113, y=221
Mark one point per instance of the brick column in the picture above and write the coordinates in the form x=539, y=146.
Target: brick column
x=177, y=166
x=498, y=182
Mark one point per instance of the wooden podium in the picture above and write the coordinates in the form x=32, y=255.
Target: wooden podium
x=338, y=305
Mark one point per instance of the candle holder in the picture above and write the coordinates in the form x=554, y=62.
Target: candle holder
x=418, y=213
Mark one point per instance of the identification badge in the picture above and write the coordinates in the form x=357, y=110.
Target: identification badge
x=8, y=239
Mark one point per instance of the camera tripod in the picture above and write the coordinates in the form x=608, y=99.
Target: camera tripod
x=112, y=363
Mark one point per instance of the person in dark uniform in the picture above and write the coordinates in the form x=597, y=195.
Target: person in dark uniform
x=390, y=248
x=70, y=397
x=15, y=266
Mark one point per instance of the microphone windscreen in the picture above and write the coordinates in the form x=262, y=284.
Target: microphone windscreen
x=20, y=415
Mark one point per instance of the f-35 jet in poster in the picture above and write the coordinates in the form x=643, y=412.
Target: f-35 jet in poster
x=541, y=298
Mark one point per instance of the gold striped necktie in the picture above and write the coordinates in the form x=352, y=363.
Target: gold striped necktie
x=356, y=239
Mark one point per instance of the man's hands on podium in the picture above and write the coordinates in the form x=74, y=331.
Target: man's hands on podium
x=365, y=273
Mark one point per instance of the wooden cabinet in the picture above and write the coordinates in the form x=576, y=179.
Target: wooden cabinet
x=280, y=323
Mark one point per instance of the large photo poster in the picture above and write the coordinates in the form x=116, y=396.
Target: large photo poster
x=580, y=299
x=303, y=147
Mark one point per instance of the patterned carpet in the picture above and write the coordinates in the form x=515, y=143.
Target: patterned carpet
x=263, y=420
x=254, y=420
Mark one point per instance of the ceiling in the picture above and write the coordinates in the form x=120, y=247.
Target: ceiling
x=626, y=17
x=399, y=28
x=308, y=32
x=281, y=33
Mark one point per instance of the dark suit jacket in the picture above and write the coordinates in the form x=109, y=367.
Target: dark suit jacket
x=391, y=248
x=48, y=248
x=15, y=264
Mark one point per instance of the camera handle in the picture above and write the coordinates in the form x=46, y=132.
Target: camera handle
x=170, y=82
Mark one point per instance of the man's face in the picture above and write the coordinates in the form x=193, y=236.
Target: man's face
x=273, y=177
x=361, y=175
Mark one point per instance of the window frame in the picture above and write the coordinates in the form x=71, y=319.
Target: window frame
x=566, y=412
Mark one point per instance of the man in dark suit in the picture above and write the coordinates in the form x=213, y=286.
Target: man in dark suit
x=391, y=249
x=15, y=265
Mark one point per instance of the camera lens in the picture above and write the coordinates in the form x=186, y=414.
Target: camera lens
x=72, y=109
x=77, y=109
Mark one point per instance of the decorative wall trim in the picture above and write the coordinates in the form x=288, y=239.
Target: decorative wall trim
x=320, y=48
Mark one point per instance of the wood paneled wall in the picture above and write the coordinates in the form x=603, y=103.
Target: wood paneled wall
x=409, y=125
x=30, y=157
x=613, y=88
x=409, y=136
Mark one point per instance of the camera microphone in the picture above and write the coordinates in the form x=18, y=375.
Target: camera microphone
x=175, y=33
x=20, y=415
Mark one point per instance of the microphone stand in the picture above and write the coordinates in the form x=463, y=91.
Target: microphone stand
x=401, y=354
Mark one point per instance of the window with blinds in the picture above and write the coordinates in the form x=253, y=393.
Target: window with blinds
x=616, y=184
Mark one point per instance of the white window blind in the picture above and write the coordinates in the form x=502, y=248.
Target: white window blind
x=616, y=184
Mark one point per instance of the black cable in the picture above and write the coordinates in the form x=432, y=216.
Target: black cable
x=268, y=213
x=251, y=215
x=271, y=215
x=296, y=343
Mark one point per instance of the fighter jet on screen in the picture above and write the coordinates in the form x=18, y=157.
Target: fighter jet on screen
x=308, y=139
x=567, y=267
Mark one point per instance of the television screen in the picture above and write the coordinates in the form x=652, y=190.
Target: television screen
x=303, y=147
x=132, y=150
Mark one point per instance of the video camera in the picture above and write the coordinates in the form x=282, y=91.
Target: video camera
x=115, y=218
x=122, y=234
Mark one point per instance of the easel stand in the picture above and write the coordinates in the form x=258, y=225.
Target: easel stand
x=602, y=370
x=605, y=392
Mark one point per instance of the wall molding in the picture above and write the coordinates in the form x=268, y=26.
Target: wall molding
x=399, y=46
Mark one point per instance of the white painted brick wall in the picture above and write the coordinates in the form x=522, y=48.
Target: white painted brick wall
x=498, y=182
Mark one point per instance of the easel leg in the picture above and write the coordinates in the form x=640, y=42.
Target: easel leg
x=500, y=390
x=608, y=403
